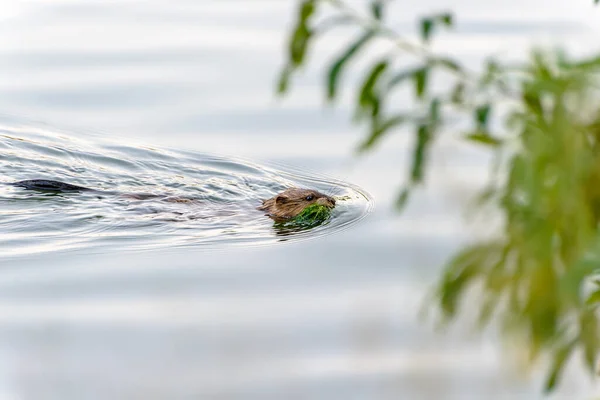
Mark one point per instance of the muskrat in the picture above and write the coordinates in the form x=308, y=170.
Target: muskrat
x=291, y=202
x=284, y=206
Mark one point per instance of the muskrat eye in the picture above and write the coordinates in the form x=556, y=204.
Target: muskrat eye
x=310, y=197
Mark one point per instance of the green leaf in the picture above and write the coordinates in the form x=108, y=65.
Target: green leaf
x=381, y=129
x=574, y=279
x=302, y=33
x=372, y=78
x=590, y=63
x=459, y=272
x=368, y=101
x=427, y=24
x=446, y=19
x=426, y=29
x=434, y=111
x=375, y=105
x=483, y=137
x=420, y=80
x=588, y=335
x=403, y=198
x=401, y=77
x=481, y=116
x=448, y=63
x=336, y=69
x=532, y=99
x=284, y=79
x=377, y=9
x=298, y=45
x=593, y=298
x=558, y=363
x=420, y=152
x=307, y=9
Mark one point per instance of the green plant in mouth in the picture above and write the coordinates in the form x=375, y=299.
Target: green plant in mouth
x=312, y=216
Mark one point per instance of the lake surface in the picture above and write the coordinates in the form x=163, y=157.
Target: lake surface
x=332, y=317
x=136, y=198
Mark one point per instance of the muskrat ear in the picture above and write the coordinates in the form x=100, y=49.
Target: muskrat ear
x=281, y=199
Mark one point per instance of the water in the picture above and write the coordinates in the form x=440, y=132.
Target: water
x=327, y=318
x=202, y=200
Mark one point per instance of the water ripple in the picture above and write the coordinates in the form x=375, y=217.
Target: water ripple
x=225, y=195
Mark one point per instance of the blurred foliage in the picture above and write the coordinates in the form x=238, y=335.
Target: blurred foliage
x=536, y=277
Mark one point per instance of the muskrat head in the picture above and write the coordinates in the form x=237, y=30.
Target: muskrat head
x=289, y=203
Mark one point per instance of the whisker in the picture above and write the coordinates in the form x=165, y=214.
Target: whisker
x=336, y=190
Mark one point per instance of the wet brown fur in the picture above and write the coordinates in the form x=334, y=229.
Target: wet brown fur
x=289, y=203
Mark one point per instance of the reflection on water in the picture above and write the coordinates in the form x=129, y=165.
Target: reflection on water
x=331, y=318
x=200, y=200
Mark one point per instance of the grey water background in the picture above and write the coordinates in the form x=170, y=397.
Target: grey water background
x=334, y=317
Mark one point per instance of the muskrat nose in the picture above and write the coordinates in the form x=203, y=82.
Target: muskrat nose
x=326, y=201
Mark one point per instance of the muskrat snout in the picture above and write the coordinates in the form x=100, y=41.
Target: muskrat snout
x=326, y=201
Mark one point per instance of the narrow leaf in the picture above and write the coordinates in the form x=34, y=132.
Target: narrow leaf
x=307, y=9
x=420, y=79
x=591, y=63
x=377, y=9
x=448, y=63
x=401, y=77
x=428, y=24
x=284, y=79
x=403, y=198
x=588, y=335
x=298, y=45
x=533, y=102
x=367, y=100
x=572, y=281
x=381, y=129
x=375, y=104
x=593, y=298
x=485, y=138
x=481, y=115
x=420, y=153
x=336, y=69
x=302, y=33
x=446, y=19
x=426, y=29
x=558, y=363
x=462, y=269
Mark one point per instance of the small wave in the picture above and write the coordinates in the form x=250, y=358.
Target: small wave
x=226, y=193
